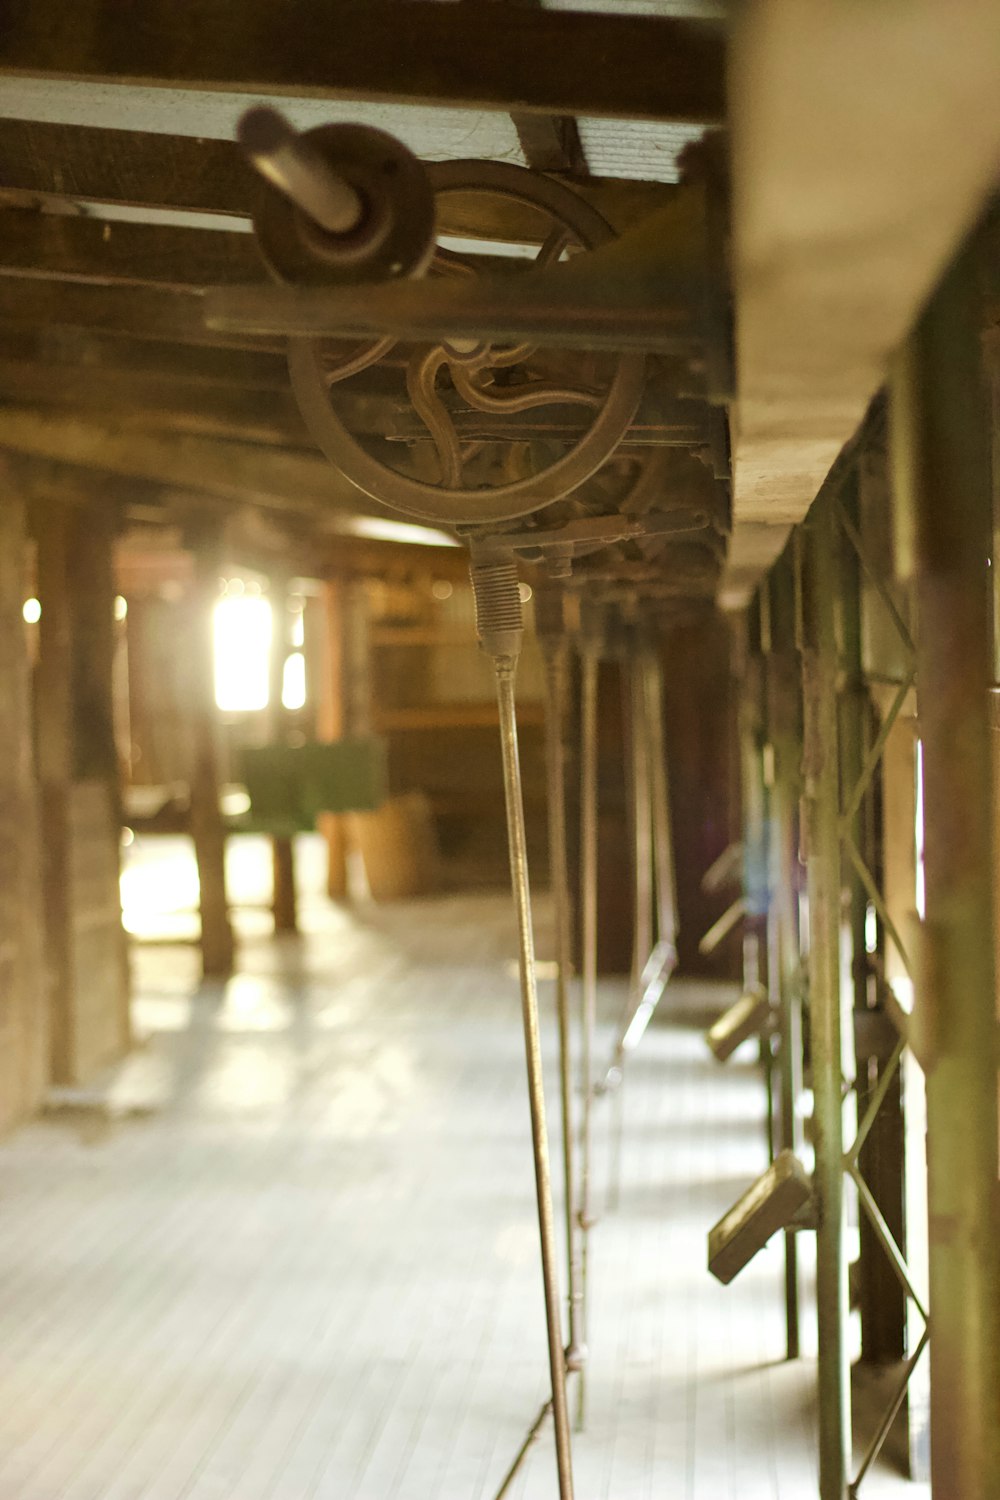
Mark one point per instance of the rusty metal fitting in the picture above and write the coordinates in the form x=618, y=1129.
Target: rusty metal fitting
x=343, y=204
x=499, y=615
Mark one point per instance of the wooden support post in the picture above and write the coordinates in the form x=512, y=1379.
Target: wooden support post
x=283, y=900
x=207, y=828
x=81, y=801
x=331, y=725
x=943, y=485
x=821, y=819
x=23, y=1002
x=899, y=878
x=54, y=737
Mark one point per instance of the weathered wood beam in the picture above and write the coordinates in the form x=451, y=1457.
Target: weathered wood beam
x=551, y=143
x=63, y=247
x=492, y=56
x=84, y=355
x=146, y=170
x=243, y=473
x=148, y=403
x=865, y=139
x=147, y=400
x=157, y=313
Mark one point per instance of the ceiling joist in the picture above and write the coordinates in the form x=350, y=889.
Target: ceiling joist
x=625, y=66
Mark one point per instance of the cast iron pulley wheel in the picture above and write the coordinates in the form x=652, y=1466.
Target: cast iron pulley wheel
x=440, y=477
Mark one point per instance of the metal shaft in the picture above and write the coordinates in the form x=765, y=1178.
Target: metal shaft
x=942, y=474
x=557, y=668
x=663, y=847
x=293, y=165
x=642, y=828
x=505, y=669
x=822, y=815
x=782, y=919
x=588, y=990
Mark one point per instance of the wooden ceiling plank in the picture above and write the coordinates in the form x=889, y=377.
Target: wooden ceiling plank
x=243, y=473
x=144, y=312
x=145, y=170
x=65, y=247
x=624, y=66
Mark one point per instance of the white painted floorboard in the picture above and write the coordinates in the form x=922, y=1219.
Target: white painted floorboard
x=296, y=1260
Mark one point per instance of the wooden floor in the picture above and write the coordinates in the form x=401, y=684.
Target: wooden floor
x=293, y=1254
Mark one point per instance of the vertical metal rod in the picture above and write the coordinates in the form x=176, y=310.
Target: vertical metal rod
x=505, y=671
x=588, y=989
x=556, y=671
x=663, y=846
x=642, y=827
x=822, y=817
x=783, y=928
x=941, y=456
x=640, y=807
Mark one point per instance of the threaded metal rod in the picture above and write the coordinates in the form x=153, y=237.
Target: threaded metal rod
x=588, y=992
x=557, y=665
x=505, y=667
x=499, y=626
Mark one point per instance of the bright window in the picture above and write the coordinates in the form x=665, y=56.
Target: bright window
x=242, y=627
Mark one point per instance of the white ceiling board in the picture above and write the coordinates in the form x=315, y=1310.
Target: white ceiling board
x=699, y=9
x=434, y=134
x=635, y=149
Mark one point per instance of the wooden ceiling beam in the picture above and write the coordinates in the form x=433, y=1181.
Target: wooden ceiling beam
x=143, y=312
x=483, y=56
x=65, y=247
x=243, y=473
x=865, y=141
x=143, y=170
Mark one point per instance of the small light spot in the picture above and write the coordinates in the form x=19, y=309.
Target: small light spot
x=32, y=611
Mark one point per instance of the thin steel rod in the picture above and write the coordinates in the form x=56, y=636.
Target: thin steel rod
x=663, y=843
x=885, y=1426
x=661, y=961
x=783, y=963
x=876, y=898
x=588, y=989
x=556, y=675
x=294, y=166
x=722, y=926
x=642, y=819
x=640, y=802
x=878, y=584
x=885, y=1236
x=505, y=670
x=822, y=810
x=652, y=982
x=875, y=1103
x=875, y=753
x=534, y=1433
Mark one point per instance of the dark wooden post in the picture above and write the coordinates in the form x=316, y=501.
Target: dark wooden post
x=81, y=800
x=331, y=725
x=207, y=828
x=283, y=901
x=23, y=1002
